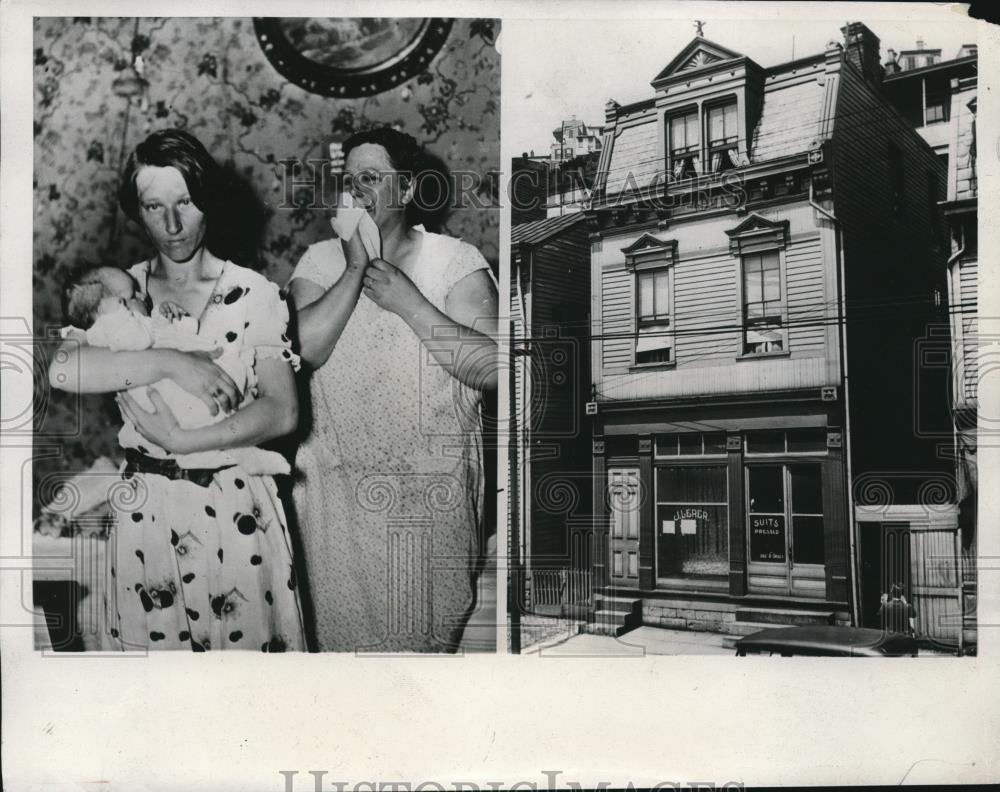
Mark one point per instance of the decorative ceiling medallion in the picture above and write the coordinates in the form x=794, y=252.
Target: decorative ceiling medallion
x=348, y=57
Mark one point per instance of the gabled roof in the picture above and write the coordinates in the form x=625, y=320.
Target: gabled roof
x=539, y=231
x=699, y=52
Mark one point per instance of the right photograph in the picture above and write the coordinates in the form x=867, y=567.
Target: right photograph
x=743, y=294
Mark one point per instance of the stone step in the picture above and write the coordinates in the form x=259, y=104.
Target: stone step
x=617, y=604
x=610, y=623
x=614, y=622
x=784, y=616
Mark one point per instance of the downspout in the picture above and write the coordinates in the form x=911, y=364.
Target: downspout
x=958, y=385
x=957, y=379
x=525, y=562
x=842, y=322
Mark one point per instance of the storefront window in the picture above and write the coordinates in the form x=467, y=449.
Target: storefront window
x=692, y=521
x=778, y=494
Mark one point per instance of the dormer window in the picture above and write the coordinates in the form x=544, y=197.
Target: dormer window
x=723, y=136
x=684, y=144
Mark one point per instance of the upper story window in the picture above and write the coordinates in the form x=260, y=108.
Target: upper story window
x=723, y=136
x=938, y=104
x=684, y=145
x=758, y=243
x=763, y=310
x=651, y=260
x=654, y=340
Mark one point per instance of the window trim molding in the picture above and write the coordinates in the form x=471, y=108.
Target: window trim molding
x=757, y=234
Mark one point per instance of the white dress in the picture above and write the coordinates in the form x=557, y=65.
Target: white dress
x=388, y=489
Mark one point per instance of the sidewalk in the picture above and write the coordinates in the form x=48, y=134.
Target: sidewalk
x=636, y=643
x=640, y=642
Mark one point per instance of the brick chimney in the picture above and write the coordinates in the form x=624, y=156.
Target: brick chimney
x=861, y=47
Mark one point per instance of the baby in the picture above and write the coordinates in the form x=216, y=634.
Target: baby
x=103, y=307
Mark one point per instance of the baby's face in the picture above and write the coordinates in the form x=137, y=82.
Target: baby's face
x=121, y=295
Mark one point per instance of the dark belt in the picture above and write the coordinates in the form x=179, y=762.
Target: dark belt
x=137, y=462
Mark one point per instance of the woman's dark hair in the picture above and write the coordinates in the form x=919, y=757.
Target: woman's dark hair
x=426, y=172
x=172, y=148
x=896, y=591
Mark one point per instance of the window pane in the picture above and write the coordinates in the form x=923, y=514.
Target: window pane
x=676, y=133
x=716, y=124
x=692, y=540
x=767, y=489
x=692, y=129
x=691, y=443
x=802, y=440
x=682, y=132
x=662, y=294
x=731, y=121
x=772, y=310
x=807, y=540
x=691, y=484
x=645, y=296
x=715, y=443
x=766, y=442
x=807, y=492
x=752, y=281
x=666, y=445
x=772, y=283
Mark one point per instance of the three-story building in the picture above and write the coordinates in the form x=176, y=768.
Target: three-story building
x=766, y=257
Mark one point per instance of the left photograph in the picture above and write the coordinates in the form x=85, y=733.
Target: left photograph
x=265, y=297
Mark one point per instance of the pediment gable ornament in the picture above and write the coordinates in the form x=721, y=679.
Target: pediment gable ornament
x=757, y=233
x=648, y=251
x=699, y=59
x=698, y=53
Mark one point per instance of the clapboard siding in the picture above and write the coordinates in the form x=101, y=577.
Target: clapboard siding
x=616, y=320
x=705, y=295
x=968, y=296
x=743, y=376
x=805, y=293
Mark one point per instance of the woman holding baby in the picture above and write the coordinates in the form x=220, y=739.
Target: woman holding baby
x=201, y=557
x=397, y=324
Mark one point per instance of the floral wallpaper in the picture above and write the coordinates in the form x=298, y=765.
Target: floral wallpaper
x=209, y=76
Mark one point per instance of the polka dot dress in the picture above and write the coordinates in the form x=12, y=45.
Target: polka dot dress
x=209, y=567
x=388, y=486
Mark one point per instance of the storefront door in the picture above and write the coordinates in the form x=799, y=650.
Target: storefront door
x=785, y=529
x=623, y=499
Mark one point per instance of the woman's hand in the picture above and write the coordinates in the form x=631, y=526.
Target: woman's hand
x=389, y=287
x=160, y=426
x=355, y=253
x=172, y=311
x=198, y=375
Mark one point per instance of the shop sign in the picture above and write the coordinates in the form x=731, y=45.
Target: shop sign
x=767, y=538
